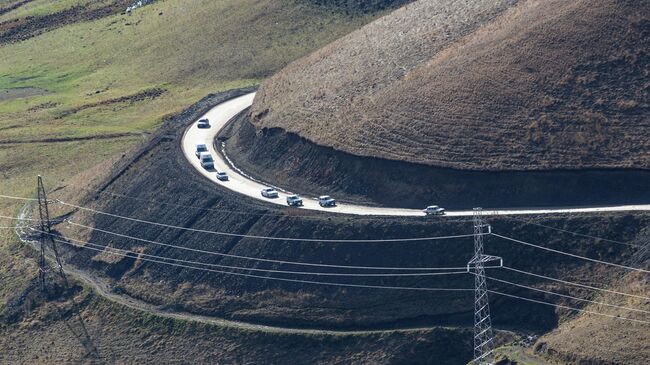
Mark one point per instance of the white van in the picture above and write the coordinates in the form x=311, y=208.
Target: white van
x=206, y=160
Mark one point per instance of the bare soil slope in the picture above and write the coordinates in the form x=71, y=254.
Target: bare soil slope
x=496, y=85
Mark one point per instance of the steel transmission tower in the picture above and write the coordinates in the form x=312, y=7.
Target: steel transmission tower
x=483, y=337
x=46, y=235
x=77, y=329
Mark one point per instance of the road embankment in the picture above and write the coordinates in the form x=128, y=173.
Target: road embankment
x=300, y=165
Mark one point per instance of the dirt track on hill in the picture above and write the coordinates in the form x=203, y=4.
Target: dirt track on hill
x=14, y=6
x=71, y=139
x=24, y=28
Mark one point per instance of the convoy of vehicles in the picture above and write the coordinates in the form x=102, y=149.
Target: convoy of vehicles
x=294, y=201
x=326, y=201
x=203, y=123
x=270, y=193
x=207, y=162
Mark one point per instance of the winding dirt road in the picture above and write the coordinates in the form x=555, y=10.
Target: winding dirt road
x=244, y=184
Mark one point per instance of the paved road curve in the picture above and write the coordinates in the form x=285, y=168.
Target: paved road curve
x=222, y=113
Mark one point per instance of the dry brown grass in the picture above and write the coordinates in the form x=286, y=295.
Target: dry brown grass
x=124, y=336
x=605, y=339
x=530, y=84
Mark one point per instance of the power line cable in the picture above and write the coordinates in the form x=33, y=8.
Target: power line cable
x=275, y=278
x=293, y=239
x=20, y=198
x=570, y=308
x=19, y=219
x=575, y=284
x=100, y=246
x=570, y=254
x=575, y=233
x=358, y=285
x=262, y=259
x=365, y=286
x=565, y=296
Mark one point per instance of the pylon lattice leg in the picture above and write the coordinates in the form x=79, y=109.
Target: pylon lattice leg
x=483, y=335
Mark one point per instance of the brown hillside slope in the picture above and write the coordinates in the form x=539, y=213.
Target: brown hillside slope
x=589, y=340
x=498, y=85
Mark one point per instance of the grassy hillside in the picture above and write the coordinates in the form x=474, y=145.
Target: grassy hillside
x=83, y=95
x=72, y=97
x=80, y=92
x=467, y=85
x=100, y=85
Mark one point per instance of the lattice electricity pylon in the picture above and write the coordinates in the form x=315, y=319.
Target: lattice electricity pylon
x=46, y=235
x=483, y=337
x=78, y=327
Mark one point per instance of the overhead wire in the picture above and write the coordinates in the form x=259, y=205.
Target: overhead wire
x=567, y=307
x=368, y=286
x=575, y=233
x=60, y=238
x=274, y=278
x=571, y=254
x=20, y=219
x=565, y=295
x=575, y=284
x=388, y=287
x=248, y=213
x=19, y=198
x=293, y=239
x=285, y=262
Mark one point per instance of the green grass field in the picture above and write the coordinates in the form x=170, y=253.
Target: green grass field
x=189, y=49
x=42, y=7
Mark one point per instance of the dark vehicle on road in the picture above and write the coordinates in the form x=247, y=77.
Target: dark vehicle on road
x=200, y=148
x=294, y=201
x=203, y=123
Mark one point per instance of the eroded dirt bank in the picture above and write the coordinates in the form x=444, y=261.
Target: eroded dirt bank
x=297, y=164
